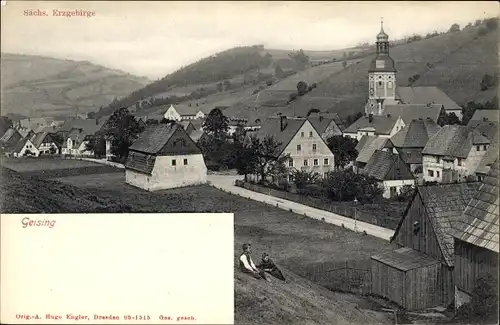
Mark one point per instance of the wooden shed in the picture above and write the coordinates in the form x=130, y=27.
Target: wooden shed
x=476, y=237
x=423, y=269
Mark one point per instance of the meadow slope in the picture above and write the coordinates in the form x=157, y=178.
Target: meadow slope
x=42, y=86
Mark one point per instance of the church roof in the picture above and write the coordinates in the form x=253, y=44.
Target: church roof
x=409, y=112
x=426, y=95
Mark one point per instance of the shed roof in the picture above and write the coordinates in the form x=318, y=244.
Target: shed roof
x=405, y=259
x=444, y=204
x=482, y=115
x=415, y=134
x=380, y=164
x=272, y=127
x=479, y=224
x=454, y=141
x=409, y=112
x=368, y=146
x=426, y=95
x=154, y=137
x=381, y=124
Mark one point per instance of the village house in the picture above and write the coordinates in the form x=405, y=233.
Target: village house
x=375, y=125
x=33, y=123
x=410, y=112
x=327, y=126
x=36, y=145
x=389, y=169
x=383, y=91
x=411, y=140
x=183, y=112
x=483, y=115
x=299, y=139
x=453, y=153
x=366, y=146
x=79, y=135
x=476, y=238
x=9, y=140
x=419, y=274
x=163, y=157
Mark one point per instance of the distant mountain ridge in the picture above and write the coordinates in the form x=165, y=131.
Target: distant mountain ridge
x=36, y=86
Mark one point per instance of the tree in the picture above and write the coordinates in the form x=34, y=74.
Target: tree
x=91, y=115
x=58, y=140
x=483, y=307
x=300, y=58
x=470, y=108
x=302, y=178
x=344, y=63
x=345, y=185
x=292, y=97
x=454, y=28
x=448, y=119
x=97, y=145
x=343, y=149
x=477, y=22
x=492, y=23
x=312, y=111
x=167, y=121
x=302, y=88
x=123, y=129
x=266, y=158
x=227, y=85
x=216, y=123
x=488, y=81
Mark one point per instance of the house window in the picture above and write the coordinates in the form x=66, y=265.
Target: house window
x=305, y=162
x=484, y=147
x=437, y=173
x=299, y=147
x=290, y=163
x=459, y=162
x=478, y=148
x=174, y=163
x=185, y=161
x=325, y=161
x=430, y=173
x=480, y=178
x=310, y=134
x=438, y=160
x=301, y=134
x=315, y=162
x=314, y=147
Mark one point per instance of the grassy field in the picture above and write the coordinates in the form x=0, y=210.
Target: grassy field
x=296, y=243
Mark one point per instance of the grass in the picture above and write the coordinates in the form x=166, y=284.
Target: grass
x=296, y=243
x=29, y=164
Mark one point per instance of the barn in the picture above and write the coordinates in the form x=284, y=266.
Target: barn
x=476, y=237
x=420, y=273
x=163, y=157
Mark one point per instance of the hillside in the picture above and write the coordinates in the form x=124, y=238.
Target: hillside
x=227, y=77
x=42, y=86
x=454, y=62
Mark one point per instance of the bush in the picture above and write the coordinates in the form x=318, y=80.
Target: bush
x=293, y=96
x=492, y=23
x=483, y=307
x=405, y=194
x=303, y=178
x=269, y=82
x=482, y=31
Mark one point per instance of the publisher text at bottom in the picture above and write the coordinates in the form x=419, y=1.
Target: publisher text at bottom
x=97, y=317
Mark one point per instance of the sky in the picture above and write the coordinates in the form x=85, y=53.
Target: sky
x=155, y=38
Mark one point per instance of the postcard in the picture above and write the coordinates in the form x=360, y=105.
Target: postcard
x=249, y=162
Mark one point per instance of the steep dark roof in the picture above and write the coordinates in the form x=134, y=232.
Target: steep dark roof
x=381, y=124
x=39, y=138
x=8, y=135
x=453, y=141
x=409, y=112
x=154, y=138
x=488, y=159
x=488, y=129
x=370, y=144
x=405, y=259
x=272, y=127
x=321, y=123
x=415, y=134
x=443, y=205
x=426, y=95
x=479, y=223
x=482, y=115
x=411, y=155
x=380, y=164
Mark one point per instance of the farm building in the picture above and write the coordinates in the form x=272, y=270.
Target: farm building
x=164, y=156
x=476, y=237
x=366, y=146
x=374, y=125
x=420, y=274
x=390, y=170
x=9, y=140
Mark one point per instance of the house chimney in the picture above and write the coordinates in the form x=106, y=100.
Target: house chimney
x=485, y=119
x=370, y=118
x=283, y=122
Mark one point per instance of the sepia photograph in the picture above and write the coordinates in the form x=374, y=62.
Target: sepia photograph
x=352, y=145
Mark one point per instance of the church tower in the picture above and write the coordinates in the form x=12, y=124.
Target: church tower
x=381, y=77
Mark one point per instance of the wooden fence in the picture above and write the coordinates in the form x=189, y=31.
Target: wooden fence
x=322, y=204
x=347, y=276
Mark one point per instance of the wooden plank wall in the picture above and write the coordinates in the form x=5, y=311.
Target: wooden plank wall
x=387, y=282
x=422, y=287
x=470, y=262
x=425, y=241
